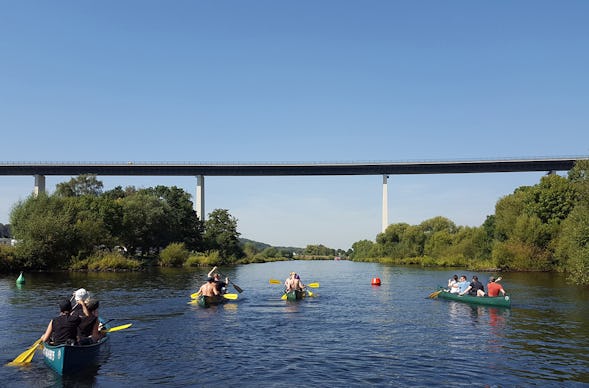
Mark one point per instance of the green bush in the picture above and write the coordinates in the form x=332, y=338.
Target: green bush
x=174, y=255
x=207, y=259
x=8, y=261
x=107, y=262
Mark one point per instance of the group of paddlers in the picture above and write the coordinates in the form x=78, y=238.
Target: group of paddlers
x=77, y=325
x=461, y=286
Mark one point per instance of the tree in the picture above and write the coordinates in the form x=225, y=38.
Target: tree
x=362, y=249
x=221, y=234
x=85, y=184
x=573, y=243
x=46, y=231
x=551, y=200
x=318, y=250
x=507, y=210
x=144, y=219
x=182, y=221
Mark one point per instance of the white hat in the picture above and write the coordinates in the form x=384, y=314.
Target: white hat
x=81, y=294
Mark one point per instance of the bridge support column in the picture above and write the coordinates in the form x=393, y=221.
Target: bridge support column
x=385, y=203
x=199, y=204
x=39, y=185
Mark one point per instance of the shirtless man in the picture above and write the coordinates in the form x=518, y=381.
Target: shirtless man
x=209, y=288
x=293, y=283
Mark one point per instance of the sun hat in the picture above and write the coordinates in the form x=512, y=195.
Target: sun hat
x=81, y=294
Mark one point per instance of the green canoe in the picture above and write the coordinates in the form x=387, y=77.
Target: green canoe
x=208, y=301
x=498, y=301
x=66, y=359
x=296, y=295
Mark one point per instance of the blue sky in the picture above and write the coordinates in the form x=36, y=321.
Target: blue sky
x=280, y=81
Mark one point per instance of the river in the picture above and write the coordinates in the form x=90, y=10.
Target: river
x=350, y=334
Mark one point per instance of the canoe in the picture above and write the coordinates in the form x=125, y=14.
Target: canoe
x=67, y=359
x=296, y=295
x=208, y=301
x=497, y=301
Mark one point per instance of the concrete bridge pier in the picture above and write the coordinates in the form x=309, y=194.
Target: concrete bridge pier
x=385, y=203
x=199, y=203
x=39, y=185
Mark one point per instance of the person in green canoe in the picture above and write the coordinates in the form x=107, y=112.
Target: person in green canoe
x=494, y=288
x=293, y=283
x=219, y=283
x=209, y=288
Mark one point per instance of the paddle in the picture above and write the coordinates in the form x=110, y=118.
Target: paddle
x=117, y=328
x=312, y=285
x=226, y=296
x=434, y=294
x=26, y=356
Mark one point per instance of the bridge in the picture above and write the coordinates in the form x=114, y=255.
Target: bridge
x=199, y=170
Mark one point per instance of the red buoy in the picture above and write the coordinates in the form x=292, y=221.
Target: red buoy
x=375, y=282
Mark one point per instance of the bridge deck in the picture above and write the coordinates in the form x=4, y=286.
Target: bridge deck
x=287, y=169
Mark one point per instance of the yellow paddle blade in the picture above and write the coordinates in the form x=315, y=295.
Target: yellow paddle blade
x=310, y=294
x=26, y=356
x=313, y=285
x=195, y=295
x=283, y=297
x=434, y=294
x=29, y=358
x=274, y=281
x=230, y=296
x=117, y=328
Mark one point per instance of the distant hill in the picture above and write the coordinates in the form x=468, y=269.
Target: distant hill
x=260, y=246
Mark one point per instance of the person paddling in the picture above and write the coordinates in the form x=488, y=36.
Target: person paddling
x=209, y=288
x=220, y=284
x=88, y=330
x=63, y=329
x=494, y=288
x=293, y=283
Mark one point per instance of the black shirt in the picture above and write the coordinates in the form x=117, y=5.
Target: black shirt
x=474, y=286
x=65, y=327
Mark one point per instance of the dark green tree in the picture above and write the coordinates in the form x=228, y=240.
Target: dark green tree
x=46, y=230
x=182, y=221
x=144, y=224
x=221, y=235
x=362, y=249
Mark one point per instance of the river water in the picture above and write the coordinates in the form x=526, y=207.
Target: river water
x=350, y=334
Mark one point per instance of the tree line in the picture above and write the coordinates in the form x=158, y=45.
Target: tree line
x=81, y=221
x=544, y=227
